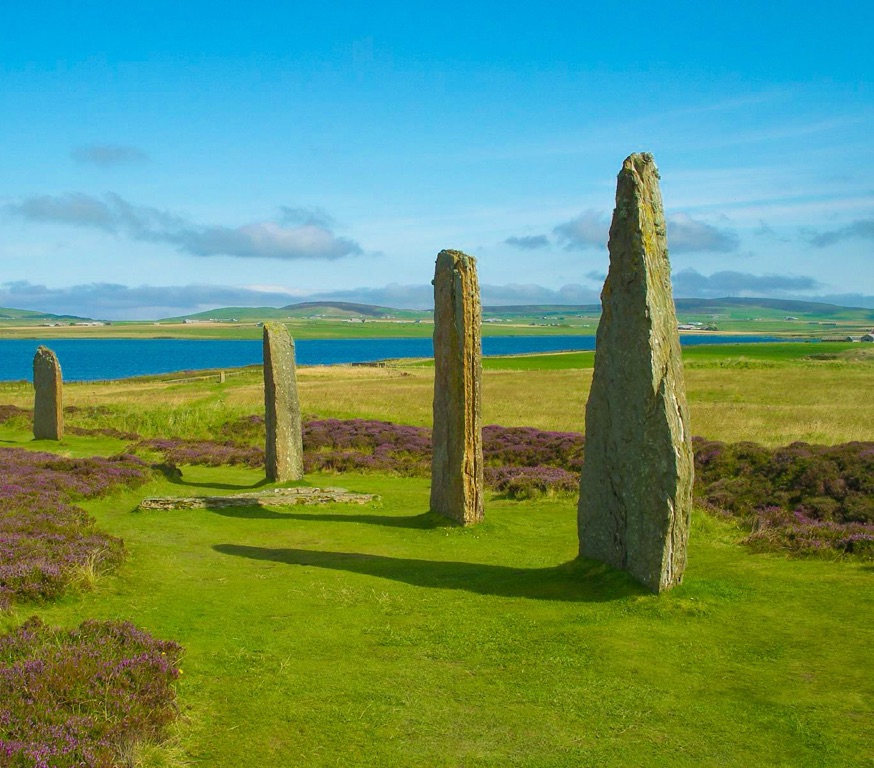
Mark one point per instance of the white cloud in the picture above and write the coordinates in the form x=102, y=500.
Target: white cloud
x=144, y=302
x=74, y=208
x=861, y=229
x=311, y=239
x=690, y=283
x=117, y=302
x=528, y=242
x=588, y=230
x=106, y=155
x=305, y=215
x=686, y=234
x=591, y=229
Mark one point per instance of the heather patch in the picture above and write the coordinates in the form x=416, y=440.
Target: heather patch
x=118, y=434
x=12, y=415
x=800, y=498
x=366, y=445
x=826, y=492
x=777, y=528
x=46, y=541
x=83, y=697
x=530, y=447
x=826, y=483
x=204, y=452
x=532, y=482
x=246, y=429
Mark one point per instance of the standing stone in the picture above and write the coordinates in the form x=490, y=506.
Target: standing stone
x=457, y=463
x=284, y=450
x=636, y=484
x=48, y=403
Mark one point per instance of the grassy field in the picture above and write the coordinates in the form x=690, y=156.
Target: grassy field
x=762, y=321
x=376, y=636
x=769, y=393
x=300, y=329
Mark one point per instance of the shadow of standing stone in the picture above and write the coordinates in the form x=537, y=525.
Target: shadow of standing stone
x=48, y=403
x=284, y=447
x=457, y=462
x=636, y=483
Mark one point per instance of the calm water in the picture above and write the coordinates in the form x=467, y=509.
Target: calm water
x=94, y=359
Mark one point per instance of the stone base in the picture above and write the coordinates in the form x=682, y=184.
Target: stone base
x=278, y=497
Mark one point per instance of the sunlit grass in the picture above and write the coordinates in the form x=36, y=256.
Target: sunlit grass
x=374, y=636
x=772, y=394
x=370, y=636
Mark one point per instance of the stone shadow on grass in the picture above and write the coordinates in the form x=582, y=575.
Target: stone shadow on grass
x=175, y=476
x=224, y=486
x=424, y=521
x=579, y=580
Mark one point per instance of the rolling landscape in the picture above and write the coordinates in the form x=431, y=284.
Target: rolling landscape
x=312, y=320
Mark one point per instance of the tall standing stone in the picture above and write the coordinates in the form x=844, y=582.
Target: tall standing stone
x=457, y=463
x=636, y=484
x=284, y=450
x=48, y=402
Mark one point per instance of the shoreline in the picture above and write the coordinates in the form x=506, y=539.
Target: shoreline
x=186, y=374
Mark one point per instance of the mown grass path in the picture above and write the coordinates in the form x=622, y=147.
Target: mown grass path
x=375, y=636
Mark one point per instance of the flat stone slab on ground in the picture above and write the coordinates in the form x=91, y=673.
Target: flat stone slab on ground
x=278, y=497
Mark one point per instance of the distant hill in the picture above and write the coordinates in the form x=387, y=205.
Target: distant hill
x=306, y=309
x=29, y=315
x=780, y=305
x=348, y=309
x=525, y=310
x=687, y=309
x=234, y=313
x=728, y=307
x=702, y=309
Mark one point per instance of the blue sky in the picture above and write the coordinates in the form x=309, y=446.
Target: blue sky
x=174, y=157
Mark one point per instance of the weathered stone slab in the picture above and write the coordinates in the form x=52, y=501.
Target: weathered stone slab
x=636, y=484
x=284, y=448
x=457, y=463
x=48, y=403
x=277, y=497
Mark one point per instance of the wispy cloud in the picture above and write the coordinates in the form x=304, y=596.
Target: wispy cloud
x=309, y=236
x=528, y=242
x=861, y=229
x=307, y=216
x=422, y=296
x=113, y=301
x=75, y=208
x=588, y=230
x=591, y=229
x=686, y=234
x=691, y=283
x=391, y=295
x=107, y=155
x=120, y=302
x=529, y=293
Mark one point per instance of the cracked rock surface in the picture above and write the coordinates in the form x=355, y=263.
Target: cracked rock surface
x=636, y=483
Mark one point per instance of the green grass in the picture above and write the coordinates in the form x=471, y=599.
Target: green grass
x=773, y=394
x=374, y=636
x=326, y=321
x=300, y=329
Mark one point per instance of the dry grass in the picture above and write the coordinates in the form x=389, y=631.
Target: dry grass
x=773, y=404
